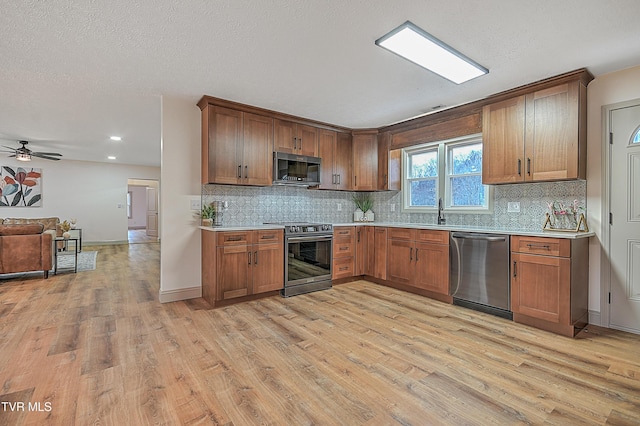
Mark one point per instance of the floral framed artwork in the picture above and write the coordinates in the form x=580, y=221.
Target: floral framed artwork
x=20, y=187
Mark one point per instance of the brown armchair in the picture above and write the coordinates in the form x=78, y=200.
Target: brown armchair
x=25, y=248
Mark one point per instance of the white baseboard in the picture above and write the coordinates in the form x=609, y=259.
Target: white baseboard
x=104, y=243
x=595, y=318
x=180, y=294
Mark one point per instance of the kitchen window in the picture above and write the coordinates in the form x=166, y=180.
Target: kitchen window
x=451, y=170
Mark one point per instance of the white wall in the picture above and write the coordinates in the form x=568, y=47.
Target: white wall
x=619, y=86
x=88, y=191
x=180, y=255
x=138, y=217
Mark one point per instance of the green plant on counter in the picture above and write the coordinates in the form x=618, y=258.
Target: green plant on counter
x=208, y=211
x=363, y=202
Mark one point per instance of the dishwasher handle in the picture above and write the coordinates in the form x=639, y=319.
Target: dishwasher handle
x=472, y=236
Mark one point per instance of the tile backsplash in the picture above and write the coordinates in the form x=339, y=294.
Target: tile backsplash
x=249, y=205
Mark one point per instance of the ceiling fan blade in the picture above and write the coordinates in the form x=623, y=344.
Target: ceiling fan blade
x=9, y=147
x=46, y=157
x=47, y=153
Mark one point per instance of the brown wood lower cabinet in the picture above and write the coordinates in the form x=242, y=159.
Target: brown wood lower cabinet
x=419, y=259
x=344, y=252
x=549, y=283
x=241, y=264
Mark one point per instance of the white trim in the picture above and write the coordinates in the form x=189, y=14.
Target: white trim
x=595, y=318
x=166, y=296
x=605, y=263
x=104, y=243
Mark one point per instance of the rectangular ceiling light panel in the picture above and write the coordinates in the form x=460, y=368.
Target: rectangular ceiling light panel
x=420, y=47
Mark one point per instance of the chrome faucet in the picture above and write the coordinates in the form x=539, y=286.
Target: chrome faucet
x=441, y=219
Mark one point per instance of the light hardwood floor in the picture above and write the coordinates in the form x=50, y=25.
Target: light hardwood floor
x=97, y=348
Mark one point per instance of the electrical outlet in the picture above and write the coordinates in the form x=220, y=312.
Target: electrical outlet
x=339, y=207
x=513, y=207
x=195, y=204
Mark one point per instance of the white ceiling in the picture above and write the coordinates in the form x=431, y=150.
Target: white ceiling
x=75, y=72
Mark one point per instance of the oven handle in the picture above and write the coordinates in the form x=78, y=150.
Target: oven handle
x=310, y=238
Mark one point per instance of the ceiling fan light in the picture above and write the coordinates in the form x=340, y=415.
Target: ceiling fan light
x=23, y=156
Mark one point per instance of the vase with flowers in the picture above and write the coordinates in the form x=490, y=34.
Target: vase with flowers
x=65, y=227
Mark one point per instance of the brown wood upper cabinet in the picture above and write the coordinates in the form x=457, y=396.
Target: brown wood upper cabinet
x=335, y=151
x=295, y=138
x=365, y=160
x=236, y=147
x=540, y=136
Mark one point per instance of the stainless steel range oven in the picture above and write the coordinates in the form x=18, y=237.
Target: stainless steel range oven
x=307, y=265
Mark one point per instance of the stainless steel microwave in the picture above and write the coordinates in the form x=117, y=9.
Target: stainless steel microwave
x=292, y=169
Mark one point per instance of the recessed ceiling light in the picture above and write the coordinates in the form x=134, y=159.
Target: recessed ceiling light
x=111, y=157
x=421, y=48
x=116, y=138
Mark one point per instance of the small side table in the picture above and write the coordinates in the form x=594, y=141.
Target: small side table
x=77, y=233
x=65, y=248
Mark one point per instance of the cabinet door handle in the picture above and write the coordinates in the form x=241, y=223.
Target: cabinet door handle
x=338, y=179
x=267, y=237
x=246, y=172
x=417, y=255
x=519, y=167
x=358, y=234
x=355, y=180
x=234, y=238
x=294, y=143
x=249, y=256
x=255, y=257
x=529, y=166
x=335, y=179
x=239, y=172
x=515, y=269
x=410, y=254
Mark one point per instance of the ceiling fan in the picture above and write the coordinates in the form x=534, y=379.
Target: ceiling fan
x=24, y=154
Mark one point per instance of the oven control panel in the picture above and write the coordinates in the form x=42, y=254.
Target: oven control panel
x=301, y=229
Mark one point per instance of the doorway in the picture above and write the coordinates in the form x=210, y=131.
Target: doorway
x=622, y=206
x=142, y=211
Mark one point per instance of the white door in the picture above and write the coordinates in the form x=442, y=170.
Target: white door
x=152, y=212
x=624, y=250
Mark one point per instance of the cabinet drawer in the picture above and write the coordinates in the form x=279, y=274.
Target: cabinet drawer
x=233, y=238
x=344, y=231
x=268, y=236
x=541, y=245
x=343, y=268
x=431, y=236
x=343, y=247
x=402, y=234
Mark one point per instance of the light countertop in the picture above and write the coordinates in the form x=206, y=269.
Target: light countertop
x=460, y=228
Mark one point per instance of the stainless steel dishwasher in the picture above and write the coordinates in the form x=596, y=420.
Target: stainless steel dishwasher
x=479, y=272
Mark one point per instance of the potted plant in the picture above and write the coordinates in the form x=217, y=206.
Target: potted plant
x=65, y=227
x=207, y=214
x=363, y=208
